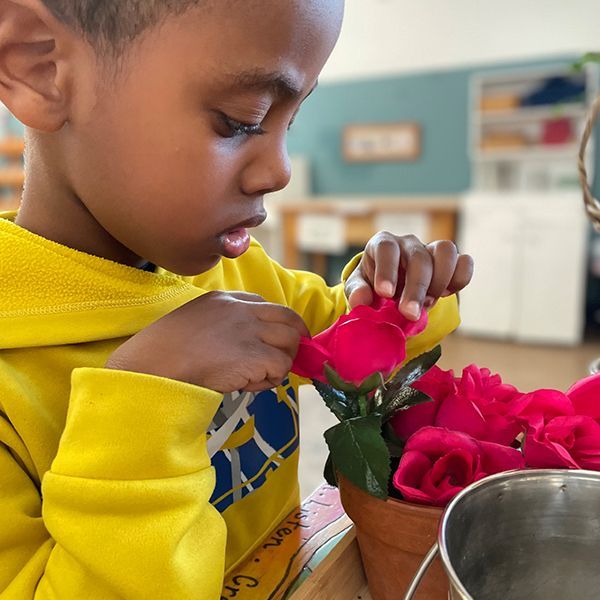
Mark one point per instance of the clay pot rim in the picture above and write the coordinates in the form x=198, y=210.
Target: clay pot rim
x=395, y=503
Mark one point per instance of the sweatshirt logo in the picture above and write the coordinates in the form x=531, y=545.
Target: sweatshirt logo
x=250, y=436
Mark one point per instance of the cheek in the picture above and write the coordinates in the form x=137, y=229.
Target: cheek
x=151, y=173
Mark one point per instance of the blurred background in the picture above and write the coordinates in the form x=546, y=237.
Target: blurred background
x=458, y=120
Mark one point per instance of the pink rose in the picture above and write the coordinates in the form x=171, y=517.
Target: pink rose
x=368, y=340
x=438, y=463
x=565, y=442
x=478, y=403
x=438, y=385
x=559, y=432
x=585, y=397
x=537, y=408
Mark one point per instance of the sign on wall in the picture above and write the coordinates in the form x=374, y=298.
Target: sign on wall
x=382, y=142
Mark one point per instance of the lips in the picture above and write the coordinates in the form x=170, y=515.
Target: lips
x=236, y=240
x=254, y=221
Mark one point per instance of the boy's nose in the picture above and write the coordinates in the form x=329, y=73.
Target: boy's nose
x=270, y=171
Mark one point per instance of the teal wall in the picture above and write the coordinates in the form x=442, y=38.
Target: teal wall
x=439, y=101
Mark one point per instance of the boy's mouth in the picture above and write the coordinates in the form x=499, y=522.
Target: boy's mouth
x=236, y=240
x=234, y=243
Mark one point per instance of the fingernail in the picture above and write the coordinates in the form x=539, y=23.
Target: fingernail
x=413, y=308
x=387, y=289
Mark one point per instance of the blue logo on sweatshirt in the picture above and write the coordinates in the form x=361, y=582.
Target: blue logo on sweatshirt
x=251, y=435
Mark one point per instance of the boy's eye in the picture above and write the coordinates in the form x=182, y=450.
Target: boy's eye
x=236, y=128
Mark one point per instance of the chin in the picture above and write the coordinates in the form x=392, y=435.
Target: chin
x=196, y=267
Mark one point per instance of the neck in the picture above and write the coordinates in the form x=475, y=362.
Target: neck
x=51, y=209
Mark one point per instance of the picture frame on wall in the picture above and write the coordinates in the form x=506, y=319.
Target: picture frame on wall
x=382, y=142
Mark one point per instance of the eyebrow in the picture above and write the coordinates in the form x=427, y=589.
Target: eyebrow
x=275, y=82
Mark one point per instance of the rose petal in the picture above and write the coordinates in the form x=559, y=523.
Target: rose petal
x=406, y=422
x=538, y=407
x=436, y=383
x=310, y=360
x=585, y=396
x=497, y=458
x=362, y=348
x=436, y=441
x=460, y=414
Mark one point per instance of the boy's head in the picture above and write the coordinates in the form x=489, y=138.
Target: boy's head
x=156, y=127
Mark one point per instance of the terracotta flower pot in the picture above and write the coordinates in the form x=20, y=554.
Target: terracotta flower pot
x=394, y=537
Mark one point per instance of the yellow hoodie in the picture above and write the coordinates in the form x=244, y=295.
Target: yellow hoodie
x=120, y=485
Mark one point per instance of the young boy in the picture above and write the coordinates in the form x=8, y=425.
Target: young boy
x=154, y=129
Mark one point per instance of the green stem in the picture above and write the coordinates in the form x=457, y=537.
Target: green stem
x=362, y=405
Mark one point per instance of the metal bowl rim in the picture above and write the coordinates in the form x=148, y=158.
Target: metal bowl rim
x=490, y=481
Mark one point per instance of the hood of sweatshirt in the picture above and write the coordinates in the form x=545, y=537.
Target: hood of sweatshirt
x=53, y=295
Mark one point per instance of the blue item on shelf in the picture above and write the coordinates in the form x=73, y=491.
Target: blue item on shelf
x=555, y=90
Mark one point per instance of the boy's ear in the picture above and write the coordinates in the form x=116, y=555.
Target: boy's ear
x=34, y=71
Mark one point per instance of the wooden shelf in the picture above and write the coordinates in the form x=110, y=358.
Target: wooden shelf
x=12, y=177
x=574, y=110
x=12, y=147
x=562, y=152
x=10, y=203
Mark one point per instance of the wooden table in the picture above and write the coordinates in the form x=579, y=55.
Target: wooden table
x=361, y=216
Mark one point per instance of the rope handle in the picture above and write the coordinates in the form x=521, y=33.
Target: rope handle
x=592, y=206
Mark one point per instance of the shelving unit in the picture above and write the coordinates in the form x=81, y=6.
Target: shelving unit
x=523, y=219
x=516, y=146
x=12, y=176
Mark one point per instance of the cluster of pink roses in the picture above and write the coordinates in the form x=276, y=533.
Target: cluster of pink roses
x=477, y=425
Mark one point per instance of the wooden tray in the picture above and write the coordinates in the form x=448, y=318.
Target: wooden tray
x=312, y=554
x=339, y=576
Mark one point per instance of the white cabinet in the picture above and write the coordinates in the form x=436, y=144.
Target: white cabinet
x=530, y=255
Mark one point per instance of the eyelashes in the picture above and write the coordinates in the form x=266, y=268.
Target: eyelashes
x=237, y=128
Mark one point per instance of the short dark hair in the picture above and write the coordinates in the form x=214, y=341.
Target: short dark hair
x=112, y=24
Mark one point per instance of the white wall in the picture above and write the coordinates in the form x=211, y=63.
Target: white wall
x=384, y=37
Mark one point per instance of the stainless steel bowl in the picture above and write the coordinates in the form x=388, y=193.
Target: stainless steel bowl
x=524, y=535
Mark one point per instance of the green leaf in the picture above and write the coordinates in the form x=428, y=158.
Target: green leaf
x=413, y=370
x=586, y=58
x=394, y=443
x=337, y=382
x=329, y=472
x=338, y=403
x=402, y=399
x=370, y=383
x=360, y=454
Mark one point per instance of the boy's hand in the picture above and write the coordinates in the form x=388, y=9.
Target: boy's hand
x=402, y=267
x=221, y=341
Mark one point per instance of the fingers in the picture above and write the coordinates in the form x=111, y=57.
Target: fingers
x=272, y=368
x=358, y=286
x=418, y=264
x=445, y=259
x=276, y=313
x=281, y=336
x=462, y=275
x=246, y=297
x=386, y=254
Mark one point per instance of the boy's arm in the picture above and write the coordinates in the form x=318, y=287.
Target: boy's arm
x=125, y=511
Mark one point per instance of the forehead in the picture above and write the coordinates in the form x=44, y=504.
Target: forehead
x=278, y=44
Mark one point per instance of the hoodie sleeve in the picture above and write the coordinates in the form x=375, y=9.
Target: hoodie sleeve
x=125, y=510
